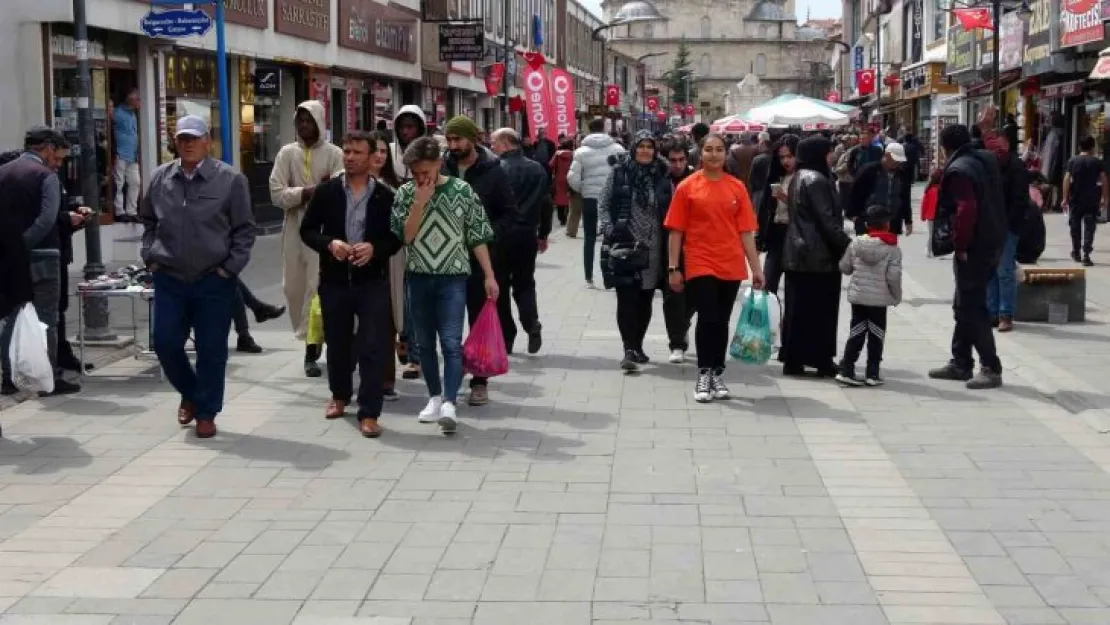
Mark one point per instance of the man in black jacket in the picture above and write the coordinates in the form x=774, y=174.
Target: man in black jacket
x=347, y=223
x=970, y=206
x=884, y=183
x=529, y=237
x=481, y=169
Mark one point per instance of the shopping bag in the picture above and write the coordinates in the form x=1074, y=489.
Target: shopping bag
x=31, y=369
x=751, y=343
x=315, y=322
x=774, y=312
x=484, y=353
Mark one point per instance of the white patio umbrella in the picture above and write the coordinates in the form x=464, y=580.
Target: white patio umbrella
x=795, y=113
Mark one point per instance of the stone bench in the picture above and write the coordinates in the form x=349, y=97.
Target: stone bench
x=1040, y=286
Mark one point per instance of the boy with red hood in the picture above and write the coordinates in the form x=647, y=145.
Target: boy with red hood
x=874, y=262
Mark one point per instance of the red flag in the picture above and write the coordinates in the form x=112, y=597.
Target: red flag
x=494, y=75
x=690, y=110
x=973, y=18
x=865, y=81
x=661, y=116
x=832, y=96
x=535, y=60
x=516, y=104
x=678, y=109
x=562, y=95
x=653, y=103
x=537, y=100
x=612, y=95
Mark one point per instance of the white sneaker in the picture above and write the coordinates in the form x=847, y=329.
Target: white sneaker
x=448, y=420
x=430, y=413
x=703, y=390
x=677, y=356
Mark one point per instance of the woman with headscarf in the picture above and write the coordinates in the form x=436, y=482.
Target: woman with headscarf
x=712, y=224
x=772, y=208
x=631, y=209
x=814, y=242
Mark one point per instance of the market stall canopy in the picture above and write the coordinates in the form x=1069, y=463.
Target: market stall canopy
x=797, y=111
x=736, y=123
x=1102, y=67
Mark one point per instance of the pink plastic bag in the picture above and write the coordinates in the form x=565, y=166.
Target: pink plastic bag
x=484, y=353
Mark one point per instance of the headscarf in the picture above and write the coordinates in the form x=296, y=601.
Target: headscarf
x=812, y=154
x=643, y=176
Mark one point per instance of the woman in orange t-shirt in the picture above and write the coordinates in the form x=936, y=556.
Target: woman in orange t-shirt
x=712, y=223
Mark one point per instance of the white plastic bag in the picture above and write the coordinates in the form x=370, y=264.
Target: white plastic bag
x=31, y=370
x=774, y=310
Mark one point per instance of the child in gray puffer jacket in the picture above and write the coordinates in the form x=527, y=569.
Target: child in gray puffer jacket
x=874, y=262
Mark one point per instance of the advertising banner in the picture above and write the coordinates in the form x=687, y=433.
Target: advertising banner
x=1080, y=22
x=563, y=104
x=537, y=100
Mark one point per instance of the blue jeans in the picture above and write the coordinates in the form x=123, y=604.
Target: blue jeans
x=439, y=308
x=589, y=236
x=203, y=307
x=1002, y=287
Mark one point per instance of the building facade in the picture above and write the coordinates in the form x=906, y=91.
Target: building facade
x=728, y=41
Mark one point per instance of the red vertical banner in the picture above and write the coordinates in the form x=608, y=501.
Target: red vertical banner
x=612, y=95
x=494, y=75
x=537, y=101
x=562, y=98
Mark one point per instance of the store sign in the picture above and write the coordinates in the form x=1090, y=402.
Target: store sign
x=374, y=28
x=267, y=81
x=562, y=101
x=1036, y=55
x=190, y=75
x=961, y=50
x=1080, y=22
x=1063, y=90
x=462, y=42
x=1012, y=41
x=917, y=35
x=913, y=79
x=306, y=19
x=984, y=48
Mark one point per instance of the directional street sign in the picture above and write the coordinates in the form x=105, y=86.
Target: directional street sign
x=175, y=23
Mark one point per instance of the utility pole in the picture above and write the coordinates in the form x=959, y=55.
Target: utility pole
x=996, y=99
x=508, y=52
x=97, y=327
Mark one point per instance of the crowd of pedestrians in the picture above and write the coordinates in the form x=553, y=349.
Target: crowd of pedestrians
x=398, y=239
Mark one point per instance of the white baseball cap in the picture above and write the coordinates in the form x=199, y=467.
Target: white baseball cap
x=896, y=151
x=191, y=126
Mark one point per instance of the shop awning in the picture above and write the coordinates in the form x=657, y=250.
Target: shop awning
x=891, y=108
x=1008, y=80
x=1102, y=67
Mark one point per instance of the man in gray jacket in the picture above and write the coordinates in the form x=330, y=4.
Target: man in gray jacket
x=587, y=175
x=197, y=238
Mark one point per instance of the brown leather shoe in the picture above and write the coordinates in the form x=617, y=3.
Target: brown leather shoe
x=369, y=427
x=206, y=429
x=1005, y=324
x=335, y=409
x=479, y=395
x=185, y=412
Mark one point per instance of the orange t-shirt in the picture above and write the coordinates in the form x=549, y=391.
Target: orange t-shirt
x=713, y=214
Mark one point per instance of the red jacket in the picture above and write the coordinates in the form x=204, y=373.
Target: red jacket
x=929, y=203
x=560, y=165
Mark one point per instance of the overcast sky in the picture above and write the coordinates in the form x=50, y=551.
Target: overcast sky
x=819, y=8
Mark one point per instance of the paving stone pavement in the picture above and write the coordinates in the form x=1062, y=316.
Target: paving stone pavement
x=580, y=495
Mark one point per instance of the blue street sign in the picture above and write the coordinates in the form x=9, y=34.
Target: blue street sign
x=175, y=23
x=857, y=60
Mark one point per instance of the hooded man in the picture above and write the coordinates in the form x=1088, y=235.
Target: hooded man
x=298, y=168
x=481, y=169
x=408, y=125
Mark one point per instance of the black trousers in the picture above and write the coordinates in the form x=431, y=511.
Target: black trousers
x=973, y=326
x=772, y=267
x=868, y=326
x=342, y=305
x=713, y=298
x=1082, y=224
x=65, y=350
x=677, y=313
x=634, y=314
x=244, y=299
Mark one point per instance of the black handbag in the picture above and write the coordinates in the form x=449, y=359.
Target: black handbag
x=628, y=258
x=940, y=241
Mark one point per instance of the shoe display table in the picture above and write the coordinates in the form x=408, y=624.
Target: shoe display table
x=134, y=294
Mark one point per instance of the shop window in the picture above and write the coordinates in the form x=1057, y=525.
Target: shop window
x=706, y=27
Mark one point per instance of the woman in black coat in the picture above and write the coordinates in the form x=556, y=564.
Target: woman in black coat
x=814, y=242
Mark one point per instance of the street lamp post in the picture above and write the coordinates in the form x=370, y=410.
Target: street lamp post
x=643, y=79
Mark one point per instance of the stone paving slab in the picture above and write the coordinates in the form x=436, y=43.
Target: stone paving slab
x=579, y=495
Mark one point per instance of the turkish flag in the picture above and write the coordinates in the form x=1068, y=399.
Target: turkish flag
x=832, y=96
x=516, y=104
x=973, y=18
x=653, y=103
x=494, y=74
x=535, y=60
x=612, y=95
x=865, y=81
x=690, y=110
x=661, y=116
x=678, y=109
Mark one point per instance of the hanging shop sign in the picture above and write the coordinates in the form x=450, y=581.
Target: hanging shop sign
x=1080, y=22
x=1011, y=41
x=562, y=104
x=175, y=24
x=961, y=50
x=462, y=42
x=267, y=81
x=252, y=13
x=926, y=80
x=917, y=35
x=372, y=27
x=1037, y=49
x=306, y=19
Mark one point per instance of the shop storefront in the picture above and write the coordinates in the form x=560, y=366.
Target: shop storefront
x=925, y=86
x=962, y=61
x=188, y=87
x=114, y=60
x=268, y=97
x=434, y=98
x=386, y=31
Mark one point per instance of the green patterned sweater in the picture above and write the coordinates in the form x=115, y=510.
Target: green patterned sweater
x=454, y=223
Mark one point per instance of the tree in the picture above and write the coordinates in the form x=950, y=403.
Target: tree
x=679, y=73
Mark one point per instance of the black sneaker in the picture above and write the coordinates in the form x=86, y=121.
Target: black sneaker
x=717, y=385
x=312, y=369
x=1087, y=262
x=247, y=345
x=703, y=390
x=950, y=372
x=268, y=312
x=641, y=357
x=986, y=378
x=628, y=363
x=62, y=387
x=535, y=341
x=1075, y=256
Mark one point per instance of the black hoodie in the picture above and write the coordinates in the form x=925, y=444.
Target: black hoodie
x=493, y=187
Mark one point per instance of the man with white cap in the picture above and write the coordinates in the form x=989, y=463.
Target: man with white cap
x=198, y=230
x=886, y=183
